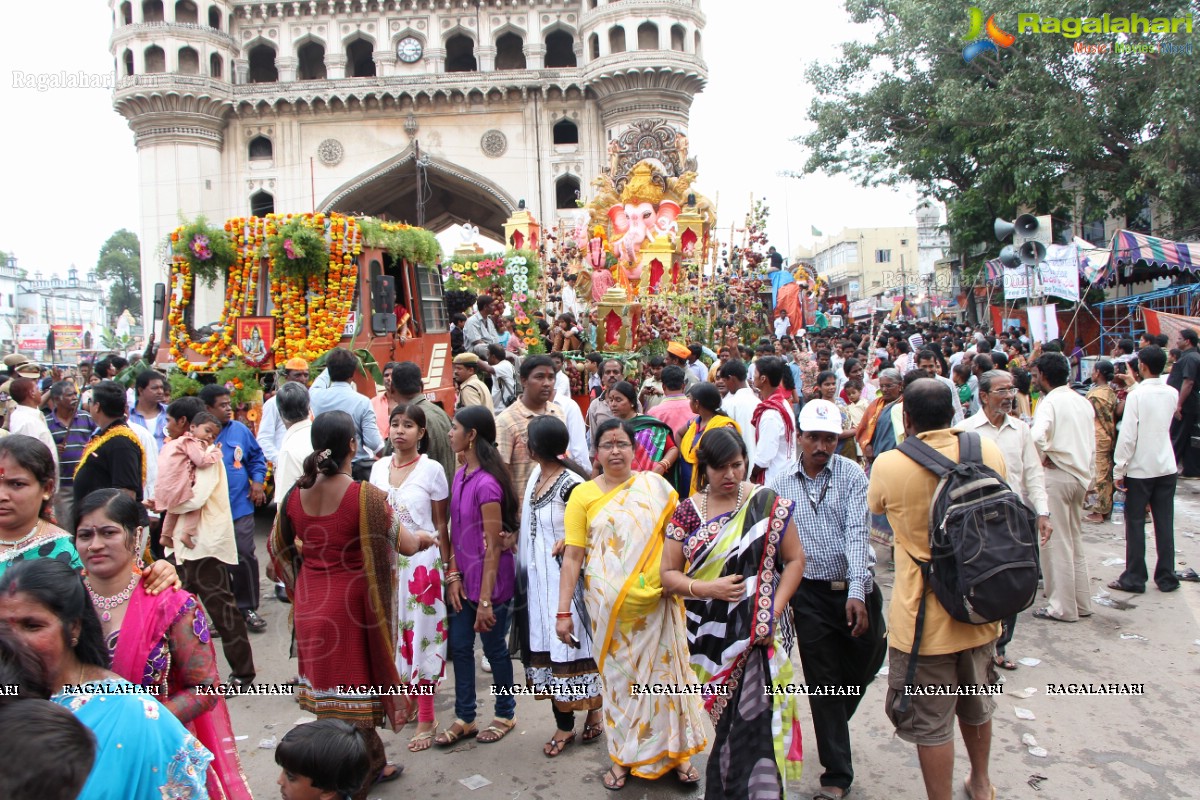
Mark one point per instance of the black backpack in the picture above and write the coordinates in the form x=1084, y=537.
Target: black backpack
x=983, y=542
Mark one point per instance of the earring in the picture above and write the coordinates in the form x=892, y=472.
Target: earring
x=74, y=642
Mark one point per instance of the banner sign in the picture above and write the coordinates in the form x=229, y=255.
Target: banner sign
x=32, y=336
x=1060, y=272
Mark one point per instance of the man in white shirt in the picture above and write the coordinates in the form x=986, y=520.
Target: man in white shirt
x=740, y=402
x=271, y=428
x=774, y=424
x=1144, y=468
x=479, y=328
x=577, y=438
x=27, y=419
x=1064, y=433
x=782, y=325
x=504, y=378
x=562, y=384
x=296, y=445
x=1021, y=460
x=570, y=304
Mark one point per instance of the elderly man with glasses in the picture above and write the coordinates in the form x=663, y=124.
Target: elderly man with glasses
x=995, y=421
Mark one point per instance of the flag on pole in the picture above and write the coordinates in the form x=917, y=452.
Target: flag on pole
x=816, y=232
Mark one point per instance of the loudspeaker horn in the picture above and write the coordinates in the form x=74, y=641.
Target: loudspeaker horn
x=1009, y=257
x=160, y=301
x=1003, y=229
x=1026, y=224
x=1032, y=253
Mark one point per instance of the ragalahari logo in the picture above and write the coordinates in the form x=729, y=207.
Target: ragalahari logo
x=992, y=37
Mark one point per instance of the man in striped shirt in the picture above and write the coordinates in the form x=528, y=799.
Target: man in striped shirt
x=71, y=429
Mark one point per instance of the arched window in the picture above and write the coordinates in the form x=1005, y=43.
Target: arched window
x=127, y=13
x=678, y=37
x=460, y=54
x=127, y=58
x=312, y=62
x=560, y=50
x=594, y=45
x=647, y=36
x=214, y=17
x=566, y=191
x=216, y=66
x=189, y=61
x=360, y=59
x=261, y=204
x=261, y=149
x=156, y=59
x=262, y=65
x=152, y=11
x=566, y=132
x=186, y=11
x=510, y=52
x=616, y=40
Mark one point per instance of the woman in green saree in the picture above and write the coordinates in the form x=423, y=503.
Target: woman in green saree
x=617, y=521
x=734, y=554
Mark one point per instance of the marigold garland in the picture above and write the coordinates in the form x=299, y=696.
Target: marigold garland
x=102, y=439
x=309, y=316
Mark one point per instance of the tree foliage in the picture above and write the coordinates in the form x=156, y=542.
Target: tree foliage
x=1035, y=125
x=120, y=261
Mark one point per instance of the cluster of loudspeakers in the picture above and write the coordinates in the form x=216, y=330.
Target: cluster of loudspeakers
x=1030, y=236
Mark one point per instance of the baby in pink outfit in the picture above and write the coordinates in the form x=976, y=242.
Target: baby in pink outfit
x=177, y=464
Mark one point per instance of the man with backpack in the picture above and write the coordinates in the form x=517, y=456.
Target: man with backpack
x=948, y=652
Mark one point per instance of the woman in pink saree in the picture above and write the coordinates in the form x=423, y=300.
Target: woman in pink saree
x=156, y=641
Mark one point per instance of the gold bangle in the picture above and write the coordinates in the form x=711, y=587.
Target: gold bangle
x=690, y=585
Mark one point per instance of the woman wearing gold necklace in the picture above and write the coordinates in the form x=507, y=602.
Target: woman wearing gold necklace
x=418, y=494
x=734, y=555
x=27, y=532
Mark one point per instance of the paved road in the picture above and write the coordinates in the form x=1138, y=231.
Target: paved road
x=1099, y=748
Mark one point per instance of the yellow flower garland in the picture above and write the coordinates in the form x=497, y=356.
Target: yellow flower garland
x=309, y=319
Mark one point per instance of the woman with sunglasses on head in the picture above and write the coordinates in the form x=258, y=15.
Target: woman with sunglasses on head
x=565, y=674
x=616, y=523
x=161, y=642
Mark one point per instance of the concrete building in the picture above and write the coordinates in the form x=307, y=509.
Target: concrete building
x=242, y=107
x=79, y=304
x=869, y=262
x=10, y=279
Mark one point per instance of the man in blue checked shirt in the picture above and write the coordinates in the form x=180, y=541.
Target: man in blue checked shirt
x=838, y=609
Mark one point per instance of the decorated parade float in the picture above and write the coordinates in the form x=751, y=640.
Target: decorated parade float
x=298, y=285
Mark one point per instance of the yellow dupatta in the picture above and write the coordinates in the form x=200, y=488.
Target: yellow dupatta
x=690, y=444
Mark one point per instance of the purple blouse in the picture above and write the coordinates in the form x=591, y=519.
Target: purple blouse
x=468, y=495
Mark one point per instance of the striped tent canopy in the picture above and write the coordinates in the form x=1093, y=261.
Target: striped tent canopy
x=1129, y=247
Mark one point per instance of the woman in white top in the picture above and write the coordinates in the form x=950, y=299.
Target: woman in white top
x=418, y=493
x=562, y=673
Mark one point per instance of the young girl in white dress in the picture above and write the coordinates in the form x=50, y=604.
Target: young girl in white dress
x=418, y=493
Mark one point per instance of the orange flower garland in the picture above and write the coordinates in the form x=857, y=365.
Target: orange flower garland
x=309, y=319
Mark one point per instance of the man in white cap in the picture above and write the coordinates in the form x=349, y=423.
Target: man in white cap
x=838, y=609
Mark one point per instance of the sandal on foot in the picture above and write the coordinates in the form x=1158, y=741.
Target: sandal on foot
x=449, y=736
x=591, y=732
x=496, y=731
x=967, y=789
x=689, y=776
x=1044, y=613
x=1004, y=663
x=825, y=795
x=556, y=746
x=423, y=740
x=387, y=777
x=613, y=781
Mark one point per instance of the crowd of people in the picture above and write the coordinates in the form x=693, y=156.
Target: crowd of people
x=678, y=522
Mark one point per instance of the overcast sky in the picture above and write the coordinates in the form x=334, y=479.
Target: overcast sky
x=72, y=172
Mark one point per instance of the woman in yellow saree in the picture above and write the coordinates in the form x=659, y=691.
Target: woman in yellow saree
x=706, y=405
x=640, y=639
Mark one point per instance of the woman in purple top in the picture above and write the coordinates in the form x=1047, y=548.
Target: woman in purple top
x=480, y=577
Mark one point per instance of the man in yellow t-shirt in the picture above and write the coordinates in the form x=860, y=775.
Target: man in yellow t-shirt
x=955, y=657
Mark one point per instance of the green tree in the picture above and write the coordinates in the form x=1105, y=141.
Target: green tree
x=1024, y=127
x=120, y=262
